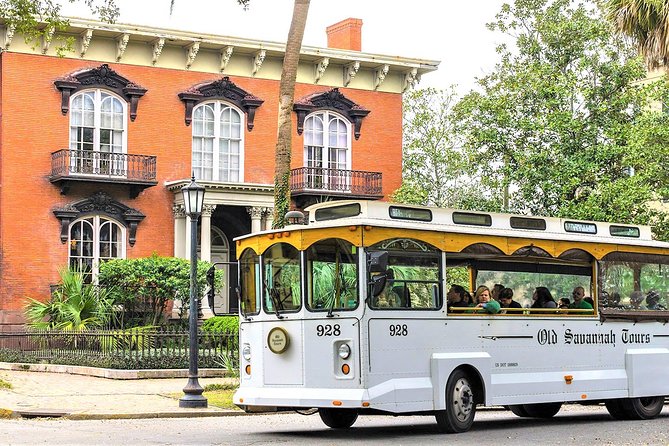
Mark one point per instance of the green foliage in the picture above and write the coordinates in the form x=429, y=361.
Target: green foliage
x=74, y=305
x=5, y=385
x=436, y=167
x=222, y=324
x=145, y=285
x=40, y=19
x=557, y=129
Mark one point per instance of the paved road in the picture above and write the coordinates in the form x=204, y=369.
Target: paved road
x=574, y=425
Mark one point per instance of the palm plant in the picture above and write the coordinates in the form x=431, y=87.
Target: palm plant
x=74, y=305
x=647, y=23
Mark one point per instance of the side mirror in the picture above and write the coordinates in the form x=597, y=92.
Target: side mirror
x=377, y=262
x=377, y=283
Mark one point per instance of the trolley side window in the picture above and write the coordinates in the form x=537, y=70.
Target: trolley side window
x=332, y=275
x=281, y=278
x=634, y=282
x=249, y=273
x=413, y=276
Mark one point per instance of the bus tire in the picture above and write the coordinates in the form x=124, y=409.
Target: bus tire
x=542, y=410
x=338, y=418
x=460, y=404
x=616, y=410
x=519, y=410
x=643, y=408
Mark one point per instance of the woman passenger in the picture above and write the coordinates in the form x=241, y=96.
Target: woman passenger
x=543, y=298
x=484, y=300
x=456, y=298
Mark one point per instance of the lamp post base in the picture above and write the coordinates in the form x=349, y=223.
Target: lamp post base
x=193, y=398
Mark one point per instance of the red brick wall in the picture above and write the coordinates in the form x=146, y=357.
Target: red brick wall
x=33, y=126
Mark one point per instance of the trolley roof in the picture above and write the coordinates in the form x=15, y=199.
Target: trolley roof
x=405, y=216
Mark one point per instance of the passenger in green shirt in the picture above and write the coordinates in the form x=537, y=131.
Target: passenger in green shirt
x=579, y=303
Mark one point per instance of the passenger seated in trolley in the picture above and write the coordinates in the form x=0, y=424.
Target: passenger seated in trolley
x=579, y=299
x=636, y=298
x=506, y=301
x=456, y=297
x=543, y=298
x=485, y=303
x=653, y=301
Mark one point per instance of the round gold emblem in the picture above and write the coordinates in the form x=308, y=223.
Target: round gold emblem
x=278, y=340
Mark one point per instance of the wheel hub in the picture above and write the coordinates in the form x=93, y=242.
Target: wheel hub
x=463, y=399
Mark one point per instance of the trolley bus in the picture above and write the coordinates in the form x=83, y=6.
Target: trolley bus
x=317, y=333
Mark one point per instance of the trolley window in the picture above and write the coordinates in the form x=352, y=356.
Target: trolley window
x=332, y=275
x=281, y=278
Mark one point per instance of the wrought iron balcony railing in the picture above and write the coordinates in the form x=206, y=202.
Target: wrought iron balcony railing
x=137, y=171
x=335, y=182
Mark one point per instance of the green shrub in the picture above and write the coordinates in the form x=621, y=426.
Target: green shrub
x=222, y=324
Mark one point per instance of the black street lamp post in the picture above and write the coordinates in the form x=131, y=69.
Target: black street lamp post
x=193, y=201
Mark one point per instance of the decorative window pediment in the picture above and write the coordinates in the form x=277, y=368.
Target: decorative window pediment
x=330, y=100
x=101, y=77
x=221, y=89
x=96, y=204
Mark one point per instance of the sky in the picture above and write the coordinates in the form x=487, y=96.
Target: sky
x=450, y=31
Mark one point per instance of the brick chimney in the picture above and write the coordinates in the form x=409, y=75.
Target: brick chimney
x=345, y=35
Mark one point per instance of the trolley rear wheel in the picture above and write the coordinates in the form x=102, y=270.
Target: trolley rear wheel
x=338, y=418
x=643, y=408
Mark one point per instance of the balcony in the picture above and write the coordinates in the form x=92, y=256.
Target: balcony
x=307, y=183
x=135, y=171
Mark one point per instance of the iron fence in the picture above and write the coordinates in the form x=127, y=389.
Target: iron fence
x=50, y=345
x=342, y=181
x=68, y=162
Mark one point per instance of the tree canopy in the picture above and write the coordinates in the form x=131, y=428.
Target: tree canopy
x=563, y=123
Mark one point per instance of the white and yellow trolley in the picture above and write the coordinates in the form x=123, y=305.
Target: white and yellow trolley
x=347, y=314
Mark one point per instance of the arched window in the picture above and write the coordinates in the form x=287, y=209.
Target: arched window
x=327, y=142
x=218, y=143
x=93, y=240
x=98, y=133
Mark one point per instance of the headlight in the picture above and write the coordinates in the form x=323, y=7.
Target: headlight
x=344, y=351
x=246, y=352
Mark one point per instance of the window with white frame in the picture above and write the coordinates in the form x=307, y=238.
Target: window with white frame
x=218, y=152
x=327, y=154
x=92, y=240
x=98, y=136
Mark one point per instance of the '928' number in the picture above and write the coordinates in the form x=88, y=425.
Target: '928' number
x=398, y=330
x=328, y=330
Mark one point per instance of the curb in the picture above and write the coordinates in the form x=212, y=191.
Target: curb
x=138, y=416
x=110, y=373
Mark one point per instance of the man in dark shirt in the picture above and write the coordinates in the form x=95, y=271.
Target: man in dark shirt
x=506, y=300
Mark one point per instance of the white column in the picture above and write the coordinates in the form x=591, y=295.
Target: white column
x=268, y=217
x=256, y=216
x=179, y=230
x=205, y=231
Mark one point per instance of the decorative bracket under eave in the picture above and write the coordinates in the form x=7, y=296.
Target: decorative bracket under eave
x=380, y=75
x=319, y=67
x=85, y=41
x=226, y=54
x=101, y=77
x=350, y=71
x=8, y=35
x=191, y=54
x=411, y=78
x=223, y=89
x=158, y=45
x=258, y=59
x=121, y=45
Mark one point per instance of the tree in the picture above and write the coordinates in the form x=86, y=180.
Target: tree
x=435, y=167
x=646, y=22
x=283, y=149
x=564, y=120
x=27, y=17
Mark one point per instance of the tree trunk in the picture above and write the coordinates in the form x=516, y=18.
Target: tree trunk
x=286, y=97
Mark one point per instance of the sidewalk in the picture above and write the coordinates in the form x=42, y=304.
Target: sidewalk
x=45, y=393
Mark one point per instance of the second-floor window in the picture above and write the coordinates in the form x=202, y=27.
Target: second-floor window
x=98, y=132
x=327, y=151
x=218, y=153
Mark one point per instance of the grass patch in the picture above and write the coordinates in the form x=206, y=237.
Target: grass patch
x=4, y=384
x=218, y=395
